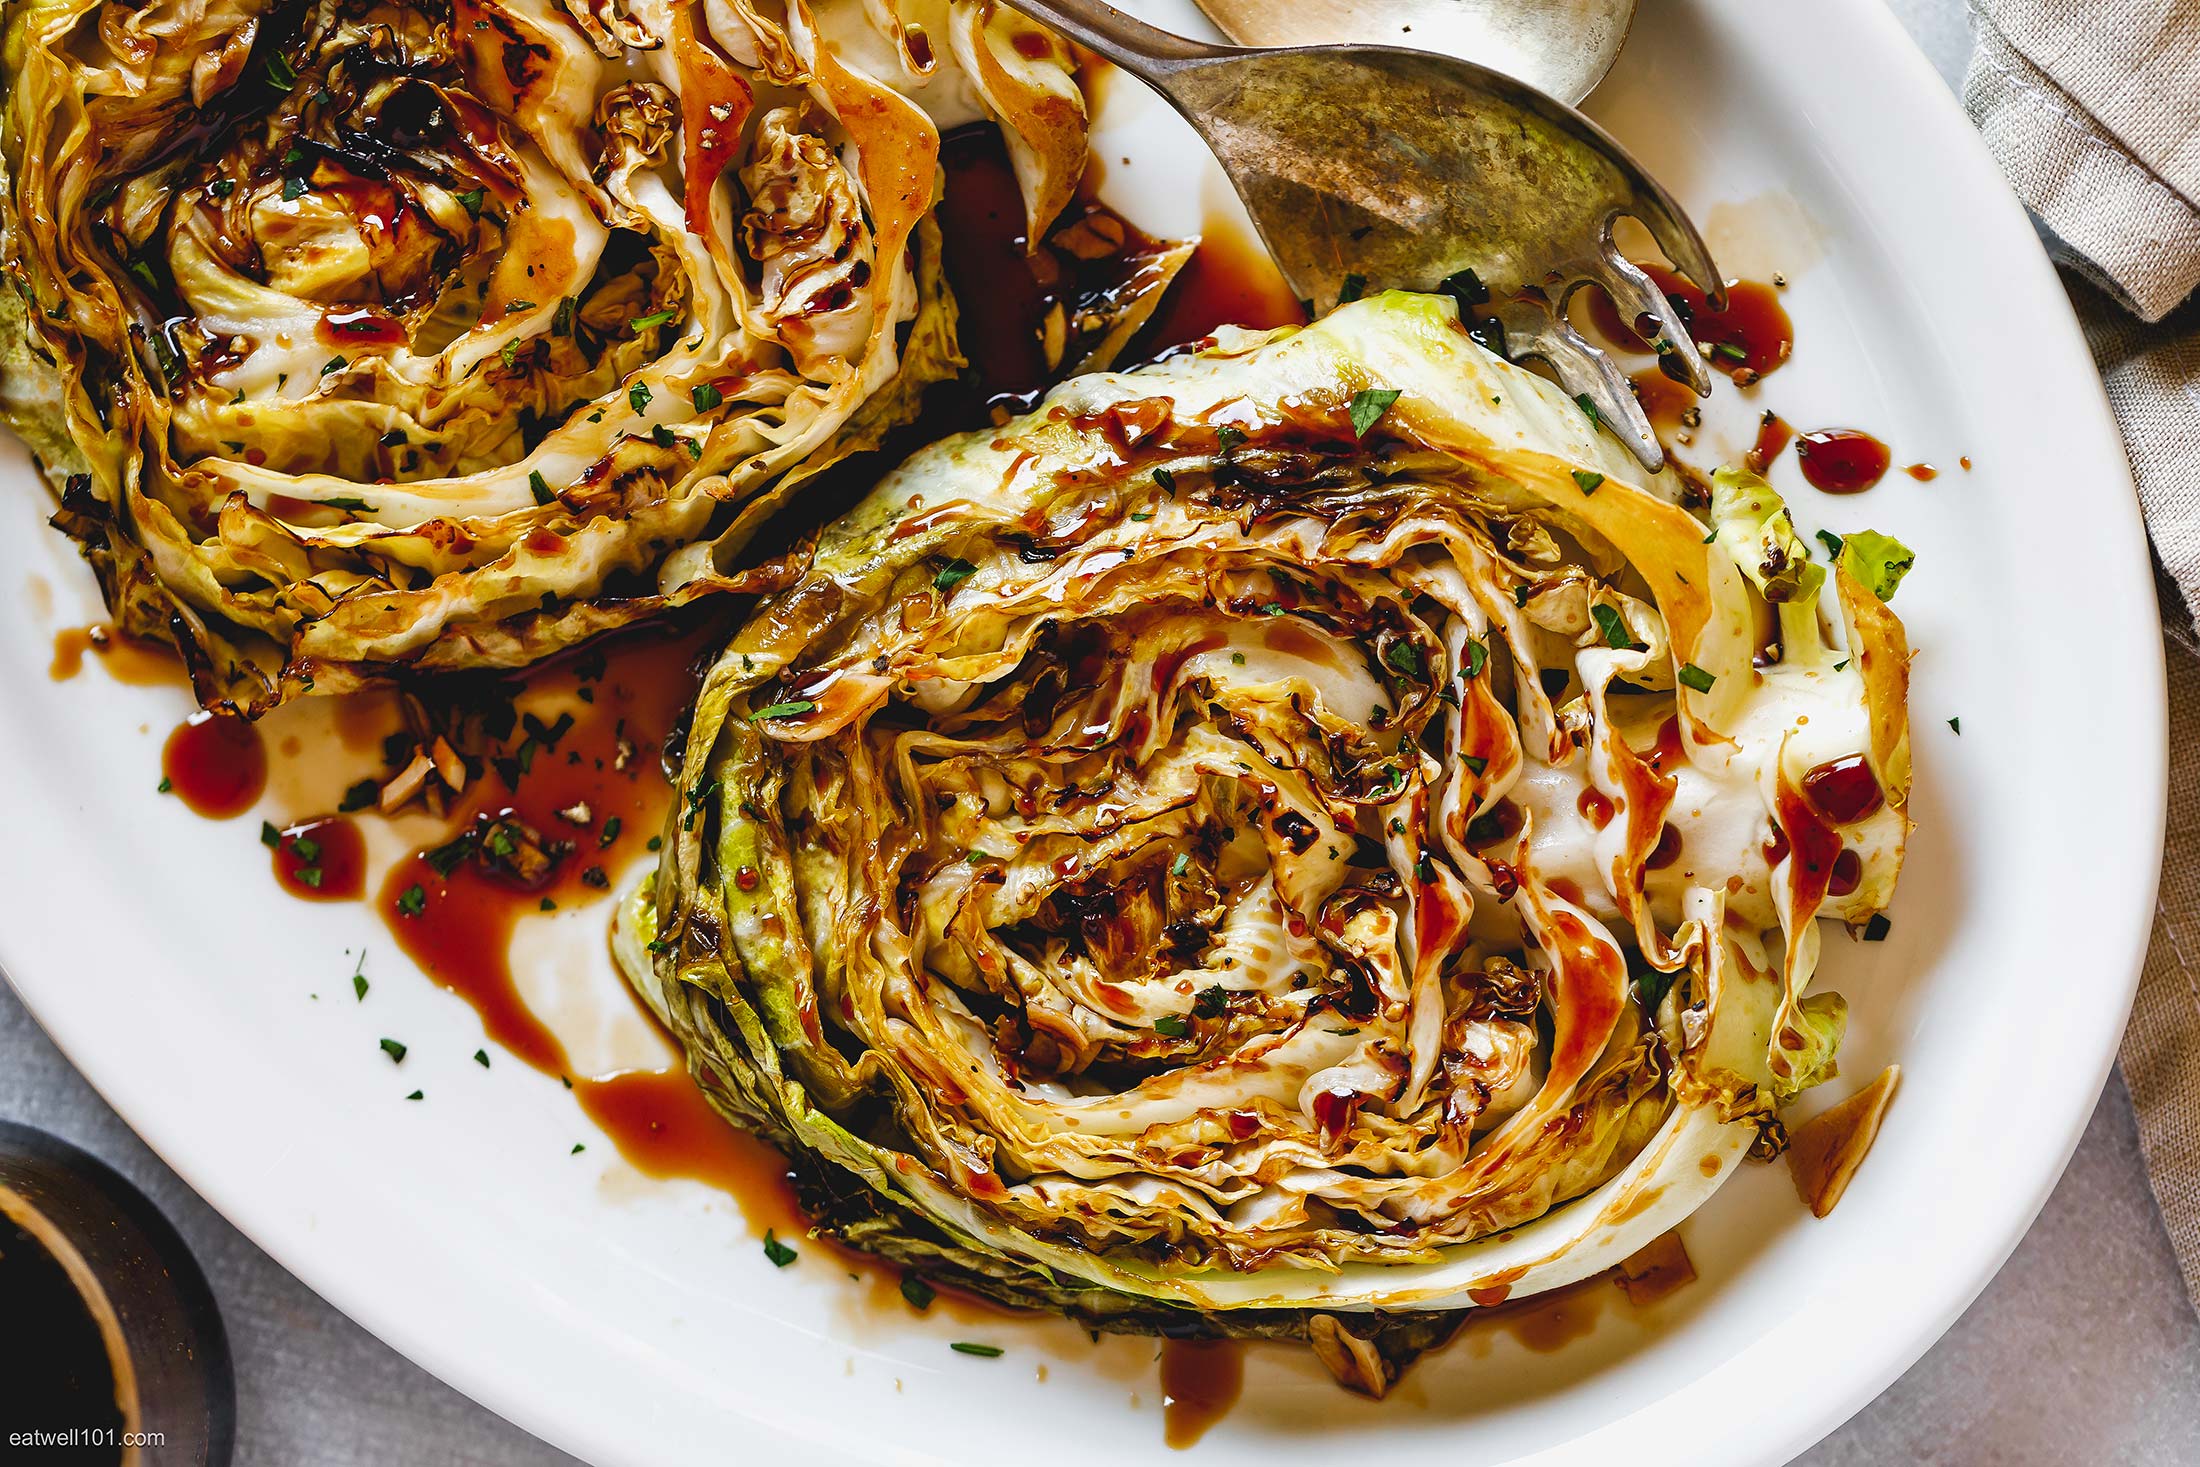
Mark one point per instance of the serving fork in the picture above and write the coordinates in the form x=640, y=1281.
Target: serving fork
x=1366, y=167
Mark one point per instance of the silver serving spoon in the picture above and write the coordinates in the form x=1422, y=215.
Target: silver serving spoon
x=1372, y=166
x=1559, y=47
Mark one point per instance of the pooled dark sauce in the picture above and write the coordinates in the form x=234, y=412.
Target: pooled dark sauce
x=1666, y=403
x=1751, y=336
x=1844, y=790
x=580, y=804
x=1200, y=1382
x=1089, y=263
x=1842, y=460
x=322, y=860
x=216, y=764
x=664, y=1127
x=58, y=1372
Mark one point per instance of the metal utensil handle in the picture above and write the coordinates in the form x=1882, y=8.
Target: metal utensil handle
x=1145, y=51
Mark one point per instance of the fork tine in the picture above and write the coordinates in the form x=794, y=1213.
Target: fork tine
x=1637, y=295
x=1669, y=225
x=1533, y=331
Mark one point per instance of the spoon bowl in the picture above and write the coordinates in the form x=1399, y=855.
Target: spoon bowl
x=1370, y=167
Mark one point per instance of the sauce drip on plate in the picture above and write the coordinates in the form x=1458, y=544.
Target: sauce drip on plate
x=322, y=860
x=1200, y=1382
x=124, y=658
x=1842, y=460
x=216, y=764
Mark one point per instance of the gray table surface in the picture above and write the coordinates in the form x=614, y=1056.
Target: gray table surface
x=2083, y=1351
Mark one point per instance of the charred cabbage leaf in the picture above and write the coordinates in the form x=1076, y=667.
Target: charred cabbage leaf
x=364, y=337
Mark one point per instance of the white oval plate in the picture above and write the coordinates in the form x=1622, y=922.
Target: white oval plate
x=637, y=1322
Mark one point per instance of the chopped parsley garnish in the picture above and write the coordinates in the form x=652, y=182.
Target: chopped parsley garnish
x=701, y=796
x=1404, y=657
x=1589, y=482
x=539, y=486
x=335, y=364
x=1956, y=724
x=412, y=901
x=470, y=201
x=1692, y=676
x=919, y=1293
x=166, y=784
x=1581, y=400
x=445, y=858
x=1166, y=480
x=578, y=1148
x=1353, y=287
x=1614, y=629
x=293, y=187
x=270, y=836
x=561, y=324
x=609, y=834
x=779, y=1253
x=783, y=710
x=1728, y=351
x=1211, y=1001
x=638, y=396
x=1181, y=864
x=1466, y=288
x=417, y=1095
x=1227, y=438
x=1368, y=406
x=309, y=875
x=394, y=1050
x=953, y=574
x=1171, y=1026
x=1475, y=763
x=987, y=1352
x=705, y=396
x=1832, y=542
x=222, y=188
x=481, y=1058
x=655, y=318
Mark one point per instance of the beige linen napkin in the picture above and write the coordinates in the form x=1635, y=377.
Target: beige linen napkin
x=2092, y=107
